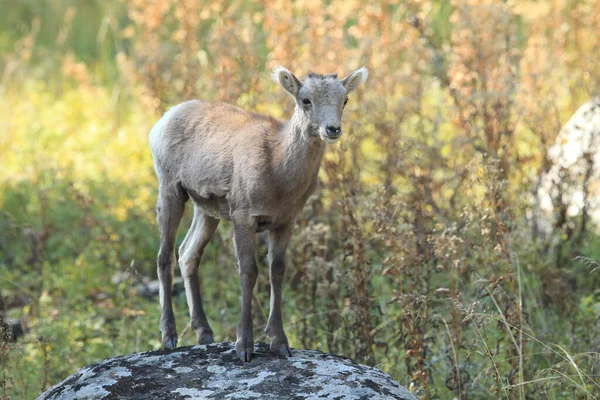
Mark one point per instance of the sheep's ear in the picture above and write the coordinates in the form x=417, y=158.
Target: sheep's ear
x=353, y=80
x=286, y=80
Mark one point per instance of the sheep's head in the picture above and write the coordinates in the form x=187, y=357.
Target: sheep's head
x=321, y=97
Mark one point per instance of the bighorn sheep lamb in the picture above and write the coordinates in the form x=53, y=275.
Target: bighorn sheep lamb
x=247, y=168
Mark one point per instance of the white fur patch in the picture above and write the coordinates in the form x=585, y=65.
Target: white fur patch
x=364, y=74
x=354, y=80
x=157, y=133
x=276, y=71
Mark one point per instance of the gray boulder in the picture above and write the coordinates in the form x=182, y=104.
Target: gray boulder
x=214, y=372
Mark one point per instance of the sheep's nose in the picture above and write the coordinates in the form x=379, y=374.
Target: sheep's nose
x=333, y=132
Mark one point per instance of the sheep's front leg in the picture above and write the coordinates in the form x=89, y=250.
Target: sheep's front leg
x=243, y=239
x=278, y=242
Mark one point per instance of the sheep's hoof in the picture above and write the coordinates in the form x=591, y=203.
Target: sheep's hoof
x=284, y=351
x=244, y=356
x=168, y=330
x=206, y=339
x=244, y=346
x=279, y=345
x=170, y=343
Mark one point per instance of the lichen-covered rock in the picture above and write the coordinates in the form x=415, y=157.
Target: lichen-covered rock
x=214, y=372
x=570, y=184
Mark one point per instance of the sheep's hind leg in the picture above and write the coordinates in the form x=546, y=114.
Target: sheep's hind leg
x=190, y=253
x=170, y=207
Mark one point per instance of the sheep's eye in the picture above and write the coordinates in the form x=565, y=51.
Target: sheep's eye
x=345, y=102
x=306, y=102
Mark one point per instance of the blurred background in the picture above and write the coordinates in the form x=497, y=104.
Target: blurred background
x=451, y=243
